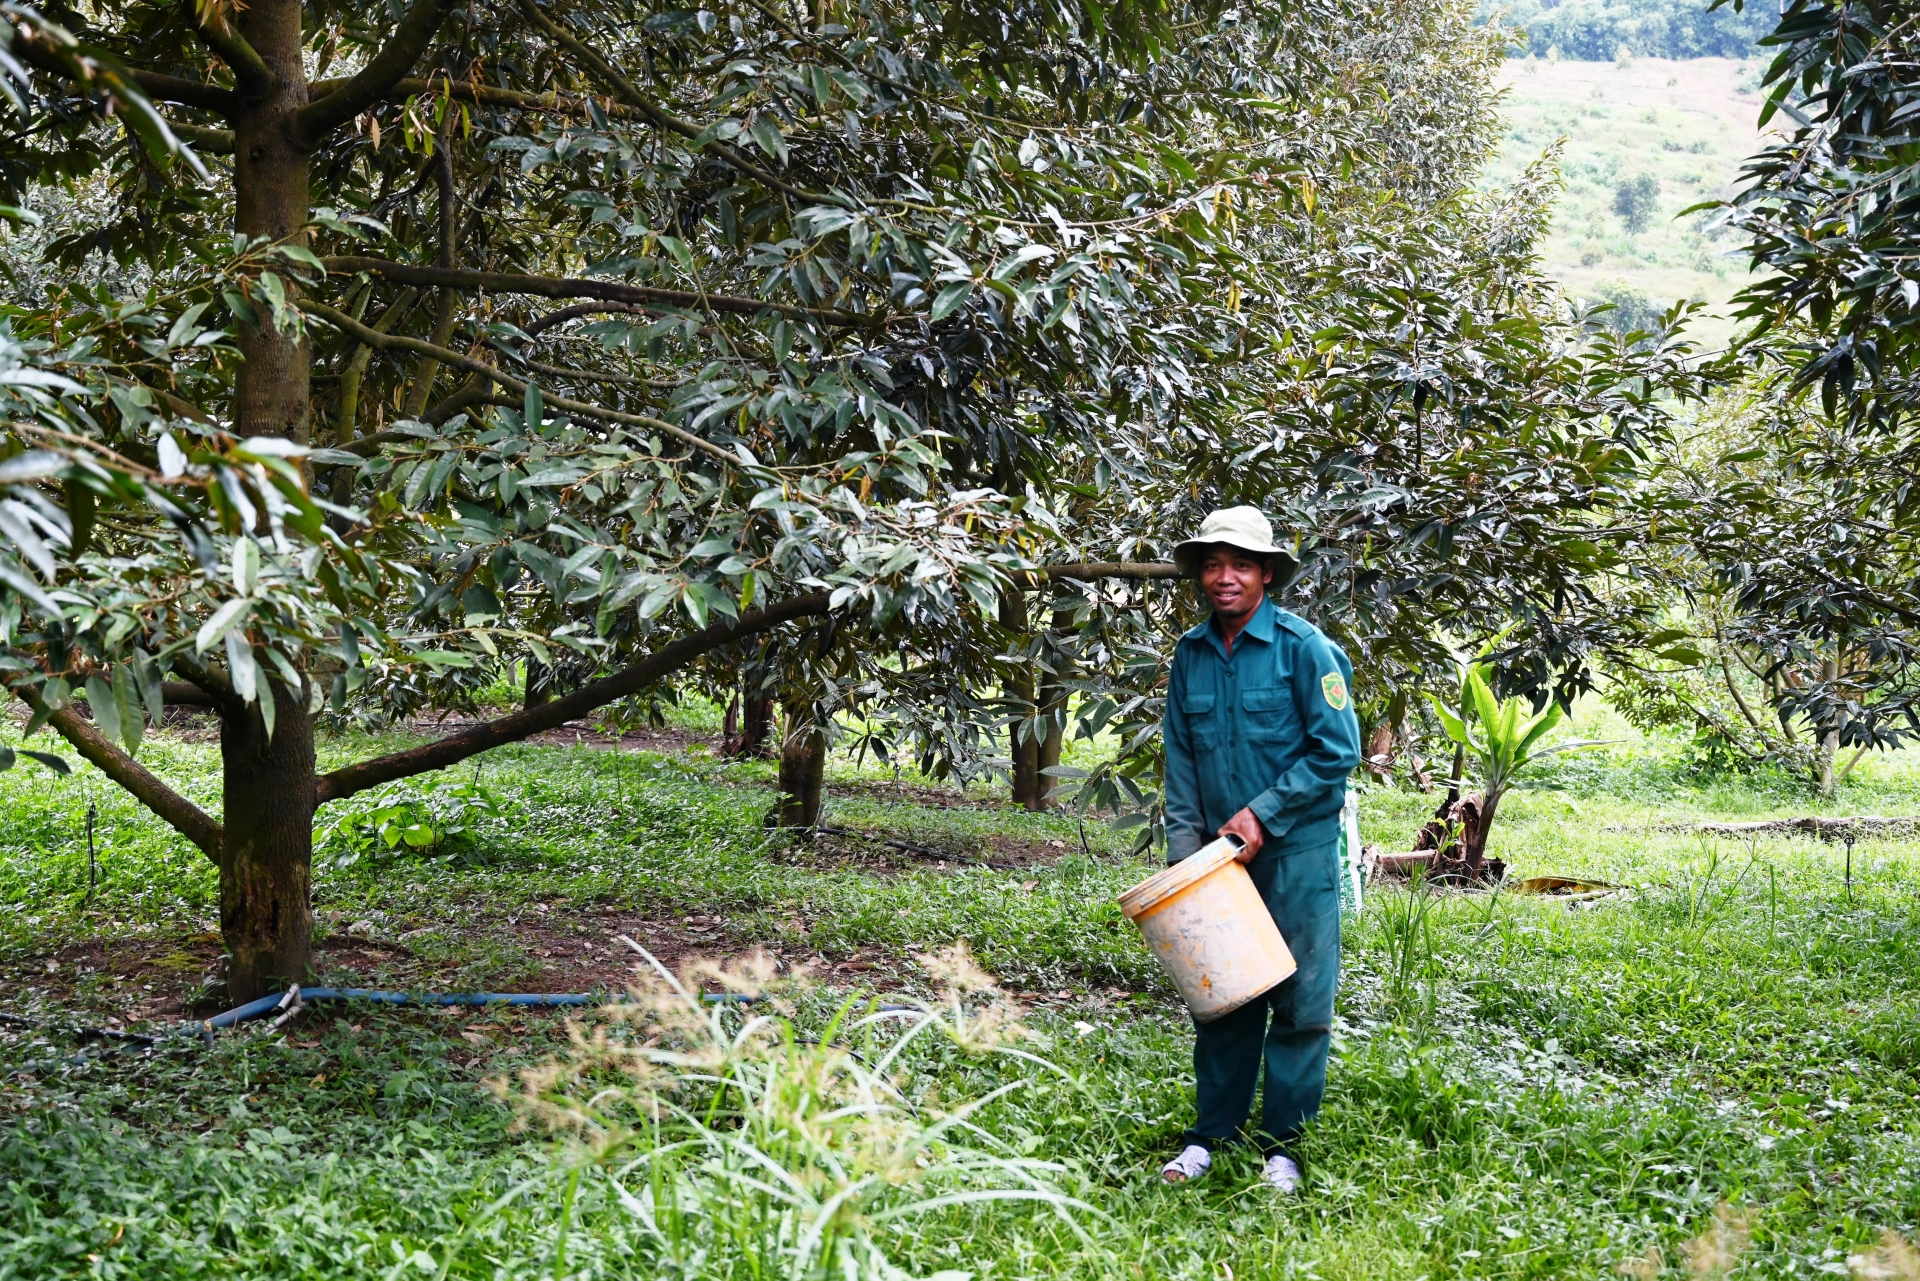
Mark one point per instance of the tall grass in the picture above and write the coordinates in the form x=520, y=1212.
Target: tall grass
x=744, y=1143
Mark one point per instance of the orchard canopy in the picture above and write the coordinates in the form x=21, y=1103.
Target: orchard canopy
x=868, y=354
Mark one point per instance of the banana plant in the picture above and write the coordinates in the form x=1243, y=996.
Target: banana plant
x=1507, y=741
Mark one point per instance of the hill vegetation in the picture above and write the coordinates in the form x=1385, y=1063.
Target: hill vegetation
x=1651, y=136
x=1599, y=30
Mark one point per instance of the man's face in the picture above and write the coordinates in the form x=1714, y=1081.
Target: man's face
x=1234, y=581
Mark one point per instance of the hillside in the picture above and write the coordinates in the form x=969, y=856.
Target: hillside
x=1600, y=29
x=1673, y=133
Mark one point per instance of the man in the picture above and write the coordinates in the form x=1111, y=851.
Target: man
x=1260, y=738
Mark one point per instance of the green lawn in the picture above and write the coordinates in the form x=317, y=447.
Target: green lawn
x=1724, y=1060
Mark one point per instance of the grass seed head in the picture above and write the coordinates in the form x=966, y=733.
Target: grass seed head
x=1894, y=1257
x=1717, y=1251
x=1645, y=1266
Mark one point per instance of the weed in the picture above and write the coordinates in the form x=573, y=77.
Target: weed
x=405, y=817
x=745, y=1144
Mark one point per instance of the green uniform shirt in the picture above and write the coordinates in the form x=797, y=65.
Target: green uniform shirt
x=1269, y=727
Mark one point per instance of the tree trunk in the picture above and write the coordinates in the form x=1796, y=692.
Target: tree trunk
x=539, y=685
x=1053, y=706
x=803, y=768
x=267, y=853
x=271, y=199
x=1023, y=750
x=266, y=859
x=1473, y=833
x=749, y=726
x=1827, y=746
x=1379, y=757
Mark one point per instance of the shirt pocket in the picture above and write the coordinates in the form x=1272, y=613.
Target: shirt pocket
x=1270, y=716
x=1202, y=721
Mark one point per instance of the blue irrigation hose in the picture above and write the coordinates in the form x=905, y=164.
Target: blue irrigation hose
x=450, y=998
x=205, y=1028
x=268, y=1004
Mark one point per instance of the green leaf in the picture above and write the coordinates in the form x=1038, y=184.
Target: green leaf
x=951, y=299
x=32, y=465
x=241, y=669
x=768, y=135
x=262, y=691
x=55, y=763
x=1481, y=699
x=695, y=603
x=1548, y=719
x=216, y=628
x=146, y=674
x=126, y=700
x=105, y=709
x=1450, y=723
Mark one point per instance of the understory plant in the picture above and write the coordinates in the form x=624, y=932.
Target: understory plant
x=743, y=1142
x=1507, y=741
x=402, y=818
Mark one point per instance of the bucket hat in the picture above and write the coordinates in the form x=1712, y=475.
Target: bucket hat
x=1242, y=527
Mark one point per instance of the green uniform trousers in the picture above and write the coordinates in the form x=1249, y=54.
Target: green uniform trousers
x=1300, y=883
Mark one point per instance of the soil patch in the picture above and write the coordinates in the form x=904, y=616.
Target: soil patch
x=580, y=734
x=138, y=982
x=921, y=794
x=883, y=853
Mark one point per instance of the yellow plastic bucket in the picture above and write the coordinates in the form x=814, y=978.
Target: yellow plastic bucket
x=1215, y=938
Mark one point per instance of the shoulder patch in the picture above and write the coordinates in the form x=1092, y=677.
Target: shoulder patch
x=1335, y=691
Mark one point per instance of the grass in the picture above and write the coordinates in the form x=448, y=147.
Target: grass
x=1689, y=125
x=1723, y=1061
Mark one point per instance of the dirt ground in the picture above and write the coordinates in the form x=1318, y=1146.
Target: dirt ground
x=148, y=982
x=142, y=980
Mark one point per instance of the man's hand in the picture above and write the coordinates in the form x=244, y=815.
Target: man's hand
x=1245, y=826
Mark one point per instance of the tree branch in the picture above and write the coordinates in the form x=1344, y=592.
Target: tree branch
x=410, y=39
x=1841, y=777
x=366, y=445
x=540, y=324
x=567, y=287
x=179, y=813
x=659, y=115
x=475, y=390
x=213, y=684
x=206, y=141
x=484, y=96
x=188, y=93
x=455, y=748
x=347, y=424
x=185, y=694
x=1087, y=571
x=252, y=75
x=172, y=694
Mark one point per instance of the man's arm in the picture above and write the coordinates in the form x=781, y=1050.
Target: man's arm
x=1184, y=834
x=1322, y=691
